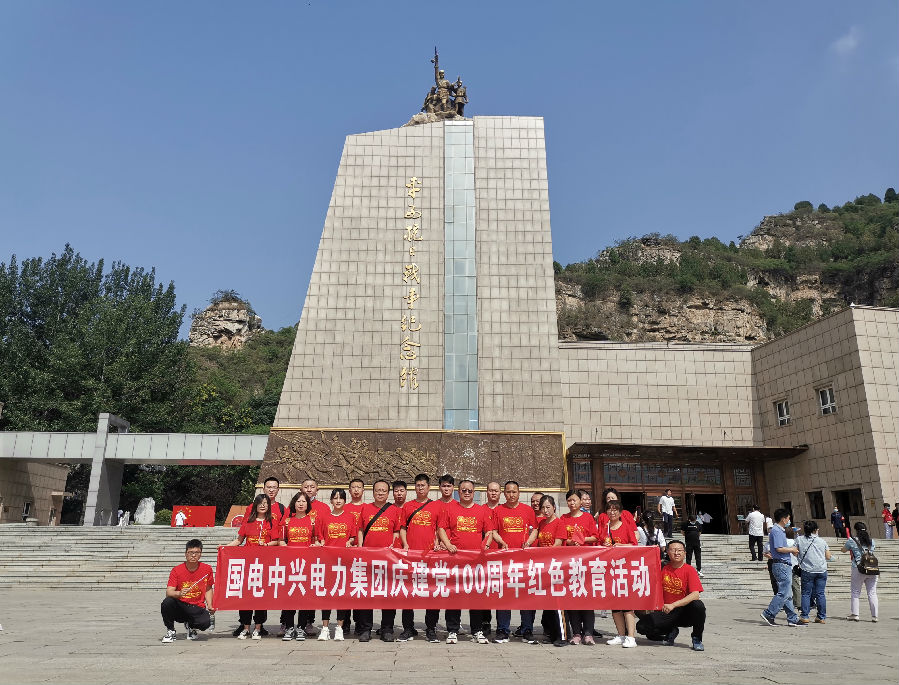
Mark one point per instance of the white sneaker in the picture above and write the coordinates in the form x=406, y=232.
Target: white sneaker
x=170, y=636
x=629, y=642
x=324, y=634
x=873, y=619
x=289, y=634
x=699, y=573
x=244, y=634
x=452, y=638
x=617, y=640
x=338, y=633
x=852, y=617
x=480, y=638
x=256, y=634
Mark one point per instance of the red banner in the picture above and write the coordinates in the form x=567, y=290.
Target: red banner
x=193, y=517
x=350, y=578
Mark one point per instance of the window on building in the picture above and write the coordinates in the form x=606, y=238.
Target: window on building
x=26, y=510
x=743, y=477
x=850, y=502
x=783, y=412
x=816, y=504
x=583, y=472
x=828, y=403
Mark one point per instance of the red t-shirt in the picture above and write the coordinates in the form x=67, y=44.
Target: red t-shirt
x=568, y=524
x=546, y=537
x=421, y=530
x=335, y=531
x=627, y=518
x=380, y=534
x=356, y=511
x=181, y=579
x=887, y=516
x=466, y=526
x=492, y=544
x=279, y=513
x=625, y=535
x=298, y=532
x=259, y=532
x=514, y=525
x=677, y=583
x=319, y=508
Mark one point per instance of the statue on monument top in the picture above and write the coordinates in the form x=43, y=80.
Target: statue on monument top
x=445, y=99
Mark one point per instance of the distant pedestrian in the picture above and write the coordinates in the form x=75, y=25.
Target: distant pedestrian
x=856, y=546
x=838, y=521
x=668, y=510
x=756, y=523
x=692, y=531
x=888, y=522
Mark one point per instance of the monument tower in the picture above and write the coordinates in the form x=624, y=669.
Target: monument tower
x=428, y=337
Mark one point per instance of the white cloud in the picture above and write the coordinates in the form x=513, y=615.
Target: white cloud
x=846, y=45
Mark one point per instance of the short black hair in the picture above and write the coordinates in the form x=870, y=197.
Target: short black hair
x=675, y=542
x=510, y=482
x=780, y=514
x=357, y=480
x=446, y=478
x=605, y=494
x=540, y=494
x=380, y=480
x=424, y=477
x=755, y=507
x=338, y=492
x=466, y=480
x=272, y=478
x=573, y=493
x=399, y=484
x=667, y=489
x=193, y=544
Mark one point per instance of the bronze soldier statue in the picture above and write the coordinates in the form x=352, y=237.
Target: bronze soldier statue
x=430, y=100
x=461, y=96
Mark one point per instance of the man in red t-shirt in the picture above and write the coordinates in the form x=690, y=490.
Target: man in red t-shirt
x=494, y=490
x=354, y=506
x=464, y=525
x=188, y=595
x=380, y=525
x=513, y=522
x=680, y=592
x=418, y=531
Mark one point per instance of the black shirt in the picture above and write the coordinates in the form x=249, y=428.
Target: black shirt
x=691, y=530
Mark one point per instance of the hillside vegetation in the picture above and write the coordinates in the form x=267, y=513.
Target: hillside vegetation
x=847, y=253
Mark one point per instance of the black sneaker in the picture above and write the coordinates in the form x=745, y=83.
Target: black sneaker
x=528, y=636
x=671, y=637
x=501, y=637
x=485, y=628
x=560, y=643
x=766, y=619
x=263, y=632
x=387, y=636
x=596, y=633
x=518, y=632
x=365, y=636
x=405, y=636
x=414, y=632
x=431, y=635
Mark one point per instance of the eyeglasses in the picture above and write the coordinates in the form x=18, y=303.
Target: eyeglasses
x=194, y=552
x=466, y=491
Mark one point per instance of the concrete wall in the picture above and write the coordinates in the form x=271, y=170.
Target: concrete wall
x=855, y=352
x=653, y=393
x=22, y=481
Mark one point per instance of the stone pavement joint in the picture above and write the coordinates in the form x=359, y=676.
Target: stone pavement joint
x=66, y=636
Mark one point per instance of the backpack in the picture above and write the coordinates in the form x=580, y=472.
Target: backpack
x=868, y=564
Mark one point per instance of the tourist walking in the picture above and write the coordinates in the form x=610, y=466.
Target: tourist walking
x=813, y=557
x=781, y=551
x=857, y=546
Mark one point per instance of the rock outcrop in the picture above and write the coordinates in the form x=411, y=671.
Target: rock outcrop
x=228, y=324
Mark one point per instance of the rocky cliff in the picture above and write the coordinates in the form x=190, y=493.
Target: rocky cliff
x=228, y=324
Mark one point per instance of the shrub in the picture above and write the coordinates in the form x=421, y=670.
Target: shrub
x=163, y=518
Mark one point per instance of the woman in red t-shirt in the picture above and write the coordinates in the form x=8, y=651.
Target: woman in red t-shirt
x=618, y=534
x=602, y=519
x=544, y=535
x=575, y=529
x=256, y=530
x=336, y=529
x=298, y=530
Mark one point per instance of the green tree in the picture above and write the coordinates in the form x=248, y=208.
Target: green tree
x=889, y=197
x=803, y=206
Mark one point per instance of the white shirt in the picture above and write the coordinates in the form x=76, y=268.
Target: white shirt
x=667, y=504
x=180, y=518
x=756, y=521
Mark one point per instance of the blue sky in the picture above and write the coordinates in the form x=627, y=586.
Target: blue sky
x=203, y=137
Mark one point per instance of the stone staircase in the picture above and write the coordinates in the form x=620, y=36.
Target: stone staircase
x=140, y=557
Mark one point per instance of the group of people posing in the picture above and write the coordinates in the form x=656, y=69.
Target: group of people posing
x=449, y=524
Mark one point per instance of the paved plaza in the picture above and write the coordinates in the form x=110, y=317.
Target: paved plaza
x=113, y=637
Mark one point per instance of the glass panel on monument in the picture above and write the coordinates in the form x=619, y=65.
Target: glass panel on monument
x=622, y=472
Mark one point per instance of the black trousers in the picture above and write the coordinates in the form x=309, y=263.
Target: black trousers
x=488, y=617
x=656, y=624
x=365, y=619
x=552, y=627
x=755, y=542
x=250, y=617
x=303, y=617
x=454, y=620
x=175, y=611
x=431, y=616
x=771, y=576
x=694, y=549
x=581, y=621
x=342, y=615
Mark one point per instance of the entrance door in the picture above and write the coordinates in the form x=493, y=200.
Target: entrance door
x=716, y=507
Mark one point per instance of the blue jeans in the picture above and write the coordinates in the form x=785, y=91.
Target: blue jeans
x=813, y=584
x=783, y=575
x=504, y=621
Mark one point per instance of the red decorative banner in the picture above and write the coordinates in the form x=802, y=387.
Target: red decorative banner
x=350, y=578
x=193, y=516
